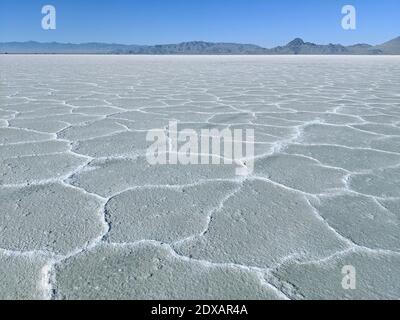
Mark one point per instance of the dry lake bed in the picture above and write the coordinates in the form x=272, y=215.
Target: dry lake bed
x=83, y=215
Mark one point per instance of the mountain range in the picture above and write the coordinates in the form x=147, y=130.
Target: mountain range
x=297, y=46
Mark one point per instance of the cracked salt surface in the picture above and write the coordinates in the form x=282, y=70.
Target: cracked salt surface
x=83, y=215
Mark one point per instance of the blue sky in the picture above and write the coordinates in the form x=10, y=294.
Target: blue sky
x=264, y=22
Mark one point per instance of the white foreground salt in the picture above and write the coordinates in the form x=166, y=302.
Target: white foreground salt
x=83, y=215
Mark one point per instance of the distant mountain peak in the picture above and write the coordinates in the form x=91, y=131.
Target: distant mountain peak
x=296, y=42
x=391, y=46
x=395, y=41
x=296, y=46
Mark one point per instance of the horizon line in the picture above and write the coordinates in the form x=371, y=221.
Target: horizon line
x=190, y=41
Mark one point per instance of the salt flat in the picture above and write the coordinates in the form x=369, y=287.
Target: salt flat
x=83, y=215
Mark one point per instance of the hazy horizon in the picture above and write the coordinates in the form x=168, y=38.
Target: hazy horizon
x=264, y=23
x=196, y=40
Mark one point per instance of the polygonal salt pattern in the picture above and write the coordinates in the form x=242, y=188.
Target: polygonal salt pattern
x=49, y=217
x=376, y=277
x=153, y=271
x=83, y=215
x=21, y=276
